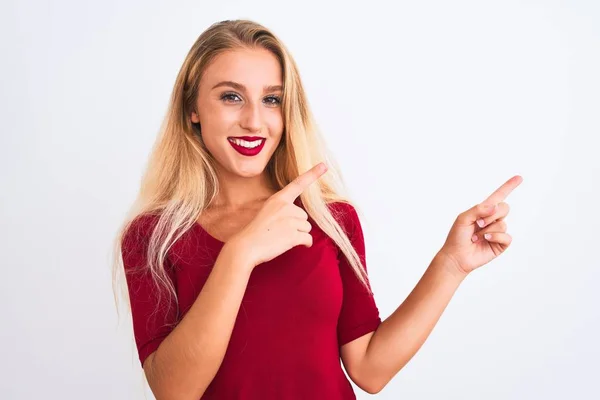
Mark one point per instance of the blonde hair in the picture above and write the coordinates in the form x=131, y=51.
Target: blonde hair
x=180, y=179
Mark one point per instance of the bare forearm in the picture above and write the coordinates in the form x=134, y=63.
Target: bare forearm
x=403, y=333
x=188, y=359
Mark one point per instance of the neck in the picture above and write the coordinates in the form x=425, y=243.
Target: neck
x=237, y=192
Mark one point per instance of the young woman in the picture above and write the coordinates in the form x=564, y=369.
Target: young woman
x=245, y=264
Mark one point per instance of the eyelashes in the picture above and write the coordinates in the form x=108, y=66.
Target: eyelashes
x=233, y=98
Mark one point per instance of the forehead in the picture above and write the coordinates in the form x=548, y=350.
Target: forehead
x=253, y=68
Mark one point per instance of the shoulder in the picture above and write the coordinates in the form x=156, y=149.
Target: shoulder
x=342, y=208
x=136, y=234
x=346, y=214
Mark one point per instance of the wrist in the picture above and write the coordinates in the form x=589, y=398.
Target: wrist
x=449, y=264
x=238, y=254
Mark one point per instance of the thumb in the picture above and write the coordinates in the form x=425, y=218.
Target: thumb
x=480, y=210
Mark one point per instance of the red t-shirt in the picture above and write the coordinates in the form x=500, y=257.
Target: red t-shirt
x=298, y=309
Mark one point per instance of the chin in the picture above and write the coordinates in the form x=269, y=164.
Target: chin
x=250, y=170
x=246, y=173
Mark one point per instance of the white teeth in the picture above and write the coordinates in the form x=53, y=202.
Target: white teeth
x=246, y=144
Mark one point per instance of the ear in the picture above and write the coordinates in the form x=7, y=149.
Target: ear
x=195, y=118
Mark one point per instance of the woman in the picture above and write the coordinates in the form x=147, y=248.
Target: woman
x=244, y=263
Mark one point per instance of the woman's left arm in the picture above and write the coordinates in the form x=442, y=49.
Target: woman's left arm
x=477, y=236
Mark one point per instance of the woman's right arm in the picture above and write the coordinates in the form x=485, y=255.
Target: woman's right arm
x=189, y=357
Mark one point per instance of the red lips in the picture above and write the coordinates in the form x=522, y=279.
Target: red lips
x=247, y=151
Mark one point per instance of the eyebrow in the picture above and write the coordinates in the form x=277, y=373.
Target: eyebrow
x=242, y=88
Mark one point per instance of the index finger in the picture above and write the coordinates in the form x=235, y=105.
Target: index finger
x=503, y=191
x=297, y=186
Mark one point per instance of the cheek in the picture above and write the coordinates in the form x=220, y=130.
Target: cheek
x=217, y=122
x=275, y=123
x=226, y=116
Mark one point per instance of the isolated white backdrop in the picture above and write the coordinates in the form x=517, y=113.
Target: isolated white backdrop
x=428, y=106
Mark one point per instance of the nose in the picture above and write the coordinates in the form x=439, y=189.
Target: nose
x=251, y=118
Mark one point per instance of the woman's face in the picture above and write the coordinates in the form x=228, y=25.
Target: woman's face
x=239, y=110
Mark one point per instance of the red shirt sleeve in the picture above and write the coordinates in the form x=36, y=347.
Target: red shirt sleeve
x=359, y=314
x=152, y=322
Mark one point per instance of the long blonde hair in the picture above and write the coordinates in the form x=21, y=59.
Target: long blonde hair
x=180, y=179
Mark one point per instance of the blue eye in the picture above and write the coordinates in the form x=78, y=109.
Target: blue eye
x=273, y=100
x=230, y=97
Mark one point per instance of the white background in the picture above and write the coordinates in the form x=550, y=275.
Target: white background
x=428, y=106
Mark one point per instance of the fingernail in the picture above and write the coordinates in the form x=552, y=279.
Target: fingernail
x=487, y=236
x=474, y=238
x=480, y=222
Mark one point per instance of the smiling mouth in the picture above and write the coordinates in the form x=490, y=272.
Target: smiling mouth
x=247, y=146
x=246, y=143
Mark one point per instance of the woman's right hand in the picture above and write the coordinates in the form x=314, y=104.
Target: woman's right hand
x=279, y=225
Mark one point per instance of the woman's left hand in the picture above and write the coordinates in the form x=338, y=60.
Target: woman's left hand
x=466, y=246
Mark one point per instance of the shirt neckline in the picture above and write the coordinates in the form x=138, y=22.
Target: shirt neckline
x=211, y=237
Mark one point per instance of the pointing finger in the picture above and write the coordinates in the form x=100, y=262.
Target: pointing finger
x=298, y=185
x=503, y=191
